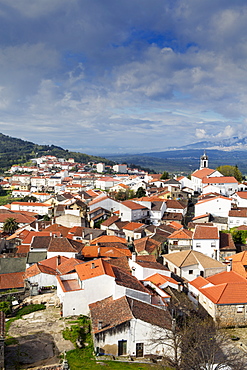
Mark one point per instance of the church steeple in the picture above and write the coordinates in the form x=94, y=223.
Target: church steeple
x=204, y=161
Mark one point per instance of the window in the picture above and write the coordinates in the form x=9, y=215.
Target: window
x=213, y=245
x=122, y=347
x=139, y=349
x=198, y=245
x=202, y=273
x=175, y=242
x=190, y=272
x=240, y=309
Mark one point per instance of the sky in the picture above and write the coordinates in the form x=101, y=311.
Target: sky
x=123, y=76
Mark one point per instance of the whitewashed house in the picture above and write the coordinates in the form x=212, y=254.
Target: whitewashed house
x=77, y=290
x=216, y=206
x=191, y=264
x=237, y=217
x=226, y=185
x=129, y=327
x=206, y=240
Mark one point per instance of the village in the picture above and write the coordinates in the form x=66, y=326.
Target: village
x=120, y=246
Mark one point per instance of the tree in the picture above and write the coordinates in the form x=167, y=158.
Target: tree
x=10, y=225
x=165, y=175
x=196, y=342
x=228, y=170
x=140, y=192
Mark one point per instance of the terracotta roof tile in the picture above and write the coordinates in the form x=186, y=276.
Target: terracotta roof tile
x=94, y=268
x=206, y=232
x=13, y=280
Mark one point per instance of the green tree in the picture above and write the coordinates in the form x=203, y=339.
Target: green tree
x=228, y=170
x=10, y=225
x=165, y=175
x=140, y=192
x=5, y=307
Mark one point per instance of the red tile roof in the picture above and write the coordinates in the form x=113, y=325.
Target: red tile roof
x=133, y=205
x=206, y=232
x=219, y=180
x=13, y=280
x=94, y=268
x=203, y=173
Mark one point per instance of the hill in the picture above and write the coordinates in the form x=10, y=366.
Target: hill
x=18, y=151
x=185, y=161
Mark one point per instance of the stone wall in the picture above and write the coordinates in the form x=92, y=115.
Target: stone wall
x=232, y=315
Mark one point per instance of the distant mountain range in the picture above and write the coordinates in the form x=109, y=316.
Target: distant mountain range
x=230, y=144
x=177, y=160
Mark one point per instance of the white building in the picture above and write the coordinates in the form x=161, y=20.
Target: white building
x=77, y=290
x=120, y=168
x=129, y=327
x=206, y=240
x=216, y=206
x=100, y=167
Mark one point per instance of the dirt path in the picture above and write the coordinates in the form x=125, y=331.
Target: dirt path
x=40, y=340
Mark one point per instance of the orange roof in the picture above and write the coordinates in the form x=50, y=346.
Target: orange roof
x=12, y=281
x=225, y=277
x=133, y=226
x=108, y=239
x=181, y=234
x=242, y=194
x=90, y=251
x=219, y=180
x=159, y=279
x=54, y=262
x=38, y=268
x=227, y=293
x=133, y=205
x=203, y=173
x=94, y=268
x=199, y=282
x=175, y=225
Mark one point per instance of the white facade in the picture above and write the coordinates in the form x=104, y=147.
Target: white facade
x=43, y=280
x=76, y=302
x=100, y=167
x=134, y=333
x=120, y=168
x=209, y=247
x=92, y=290
x=141, y=273
x=128, y=214
x=217, y=206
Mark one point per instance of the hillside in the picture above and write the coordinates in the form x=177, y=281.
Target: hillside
x=18, y=151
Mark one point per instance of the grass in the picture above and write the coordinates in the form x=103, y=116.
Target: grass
x=84, y=357
x=23, y=311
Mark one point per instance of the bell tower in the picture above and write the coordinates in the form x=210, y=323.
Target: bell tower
x=204, y=161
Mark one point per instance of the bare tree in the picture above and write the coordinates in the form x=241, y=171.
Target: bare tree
x=197, y=343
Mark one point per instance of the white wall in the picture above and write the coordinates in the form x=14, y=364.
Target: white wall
x=138, y=332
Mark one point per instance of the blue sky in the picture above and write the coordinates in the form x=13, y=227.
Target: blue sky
x=125, y=76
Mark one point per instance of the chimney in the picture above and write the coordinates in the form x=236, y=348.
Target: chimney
x=134, y=257
x=229, y=267
x=91, y=236
x=83, y=234
x=58, y=260
x=92, y=265
x=100, y=324
x=98, y=251
x=37, y=226
x=180, y=287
